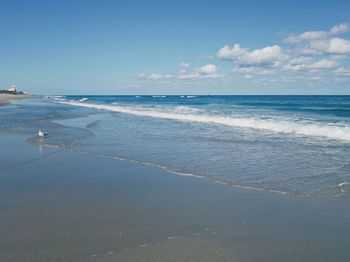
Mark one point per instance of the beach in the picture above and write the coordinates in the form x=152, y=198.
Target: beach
x=59, y=205
x=175, y=131
x=6, y=98
x=62, y=199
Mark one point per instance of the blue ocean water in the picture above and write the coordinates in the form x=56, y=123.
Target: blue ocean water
x=296, y=145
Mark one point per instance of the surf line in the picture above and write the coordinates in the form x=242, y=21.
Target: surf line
x=177, y=173
x=280, y=126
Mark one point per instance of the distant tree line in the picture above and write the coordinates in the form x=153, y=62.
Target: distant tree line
x=11, y=92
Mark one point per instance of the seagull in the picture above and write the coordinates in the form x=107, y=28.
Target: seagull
x=42, y=133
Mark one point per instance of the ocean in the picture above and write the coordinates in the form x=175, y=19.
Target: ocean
x=292, y=145
x=175, y=178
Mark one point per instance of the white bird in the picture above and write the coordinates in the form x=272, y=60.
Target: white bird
x=42, y=133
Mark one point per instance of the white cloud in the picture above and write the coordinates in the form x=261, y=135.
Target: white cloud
x=266, y=55
x=340, y=29
x=197, y=76
x=316, y=43
x=315, y=78
x=270, y=55
x=312, y=51
x=204, y=72
x=253, y=70
x=231, y=53
x=141, y=76
x=311, y=55
x=154, y=76
x=207, y=69
x=306, y=51
x=307, y=36
x=295, y=67
x=318, y=35
x=323, y=64
x=245, y=70
x=184, y=65
x=332, y=46
x=342, y=71
x=300, y=60
x=320, y=64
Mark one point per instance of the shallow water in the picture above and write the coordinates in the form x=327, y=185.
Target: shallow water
x=67, y=197
x=287, y=145
x=296, y=145
x=69, y=206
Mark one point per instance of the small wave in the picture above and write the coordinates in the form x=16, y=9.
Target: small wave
x=185, y=109
x=83, y=99
x=344, y=187
x=158, y=96
x=59, y=99
x=339, y=132
x=199, y=176
x=188, y=96
x=54, y=97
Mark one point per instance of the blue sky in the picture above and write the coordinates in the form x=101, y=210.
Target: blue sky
x=175, y=47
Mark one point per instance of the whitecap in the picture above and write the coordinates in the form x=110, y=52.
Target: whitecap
x=277, y=125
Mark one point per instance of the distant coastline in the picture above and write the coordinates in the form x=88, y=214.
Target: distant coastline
x=8, y=98
x=7, y=95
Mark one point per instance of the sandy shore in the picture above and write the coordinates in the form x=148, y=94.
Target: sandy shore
x=5, y=98
x=59, y=205
x=69, y=204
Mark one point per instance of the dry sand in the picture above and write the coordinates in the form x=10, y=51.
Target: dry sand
x=6, y=98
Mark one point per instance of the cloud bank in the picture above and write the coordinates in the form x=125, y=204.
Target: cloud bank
x=209, y=71
x=299, y=57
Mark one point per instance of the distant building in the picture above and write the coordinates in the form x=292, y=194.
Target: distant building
x=12, y=89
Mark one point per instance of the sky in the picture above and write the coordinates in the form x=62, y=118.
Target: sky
x=175, y=47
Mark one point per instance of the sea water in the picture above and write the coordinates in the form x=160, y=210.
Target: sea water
x=297, y=145
x=75, y=191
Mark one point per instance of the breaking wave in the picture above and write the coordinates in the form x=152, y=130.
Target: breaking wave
x=300, y=128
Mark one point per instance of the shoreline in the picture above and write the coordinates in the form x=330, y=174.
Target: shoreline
x=64, y=204
x=102, y=209
x=7, y=98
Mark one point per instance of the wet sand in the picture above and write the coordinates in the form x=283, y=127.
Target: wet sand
x=61, y=205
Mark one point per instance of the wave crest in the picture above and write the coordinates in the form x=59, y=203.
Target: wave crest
x=339, y=132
